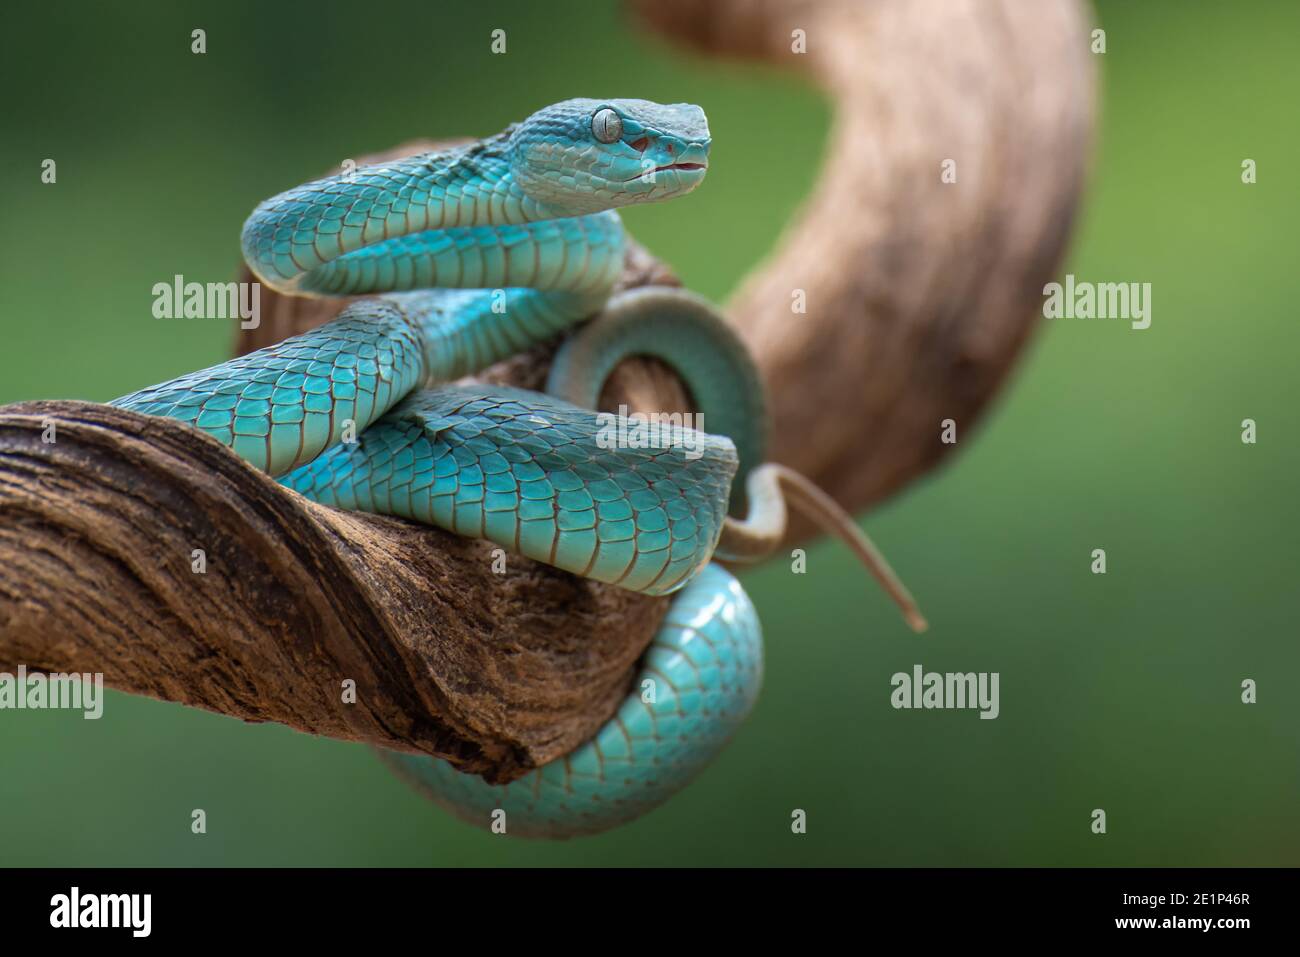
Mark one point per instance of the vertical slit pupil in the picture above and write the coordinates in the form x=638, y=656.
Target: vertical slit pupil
x=607, y=126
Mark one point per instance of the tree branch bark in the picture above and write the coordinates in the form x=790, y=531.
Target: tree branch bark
x=921, y=295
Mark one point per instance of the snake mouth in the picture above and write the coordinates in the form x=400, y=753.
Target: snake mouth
x=683, y=167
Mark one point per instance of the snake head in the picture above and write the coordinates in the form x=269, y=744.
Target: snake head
x=584, y=156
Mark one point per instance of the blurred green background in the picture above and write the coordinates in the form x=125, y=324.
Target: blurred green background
x=1118, y=691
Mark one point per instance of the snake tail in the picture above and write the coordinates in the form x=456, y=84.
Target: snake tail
x=774, y=487
x=696, y=341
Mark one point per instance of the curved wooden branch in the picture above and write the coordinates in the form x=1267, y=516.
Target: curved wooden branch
x=920, y=296
x=920, y=293
x=143, y=549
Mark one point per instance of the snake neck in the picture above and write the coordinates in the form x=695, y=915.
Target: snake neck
x=442, y=222
x=330, y=236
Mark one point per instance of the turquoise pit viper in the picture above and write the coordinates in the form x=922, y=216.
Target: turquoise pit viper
x=474, y=254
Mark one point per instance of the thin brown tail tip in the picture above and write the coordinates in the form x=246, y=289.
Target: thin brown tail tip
x=917, y=621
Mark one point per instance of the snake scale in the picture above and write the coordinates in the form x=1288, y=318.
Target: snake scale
x=476, y=253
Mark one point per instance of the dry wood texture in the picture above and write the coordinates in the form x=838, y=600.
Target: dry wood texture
x=920, y=295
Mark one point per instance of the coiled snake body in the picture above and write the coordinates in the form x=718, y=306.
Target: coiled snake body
x=481, y=252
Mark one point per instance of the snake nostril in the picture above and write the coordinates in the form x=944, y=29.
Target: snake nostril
x=669, y=147
x=641, y=144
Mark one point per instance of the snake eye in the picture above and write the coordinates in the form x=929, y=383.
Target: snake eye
x=606, y=125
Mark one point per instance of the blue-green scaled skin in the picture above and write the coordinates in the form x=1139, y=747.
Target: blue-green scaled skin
x=480, y=252
x=704, y=667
